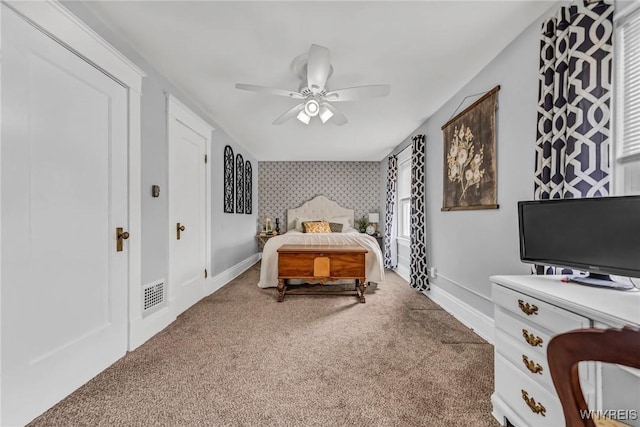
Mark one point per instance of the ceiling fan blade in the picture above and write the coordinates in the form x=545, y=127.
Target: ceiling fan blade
x=289, y=114
x=338, y=118
x=318, y=68
x=270, y=90
x=353, y=93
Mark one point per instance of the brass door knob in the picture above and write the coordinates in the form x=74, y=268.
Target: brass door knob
x=121, y=236
x=179, y=229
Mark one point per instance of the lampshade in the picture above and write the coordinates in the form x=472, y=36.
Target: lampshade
x=325, y=114
x=302, y=116
x=374, y=217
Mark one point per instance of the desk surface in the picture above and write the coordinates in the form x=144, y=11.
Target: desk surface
x=610, y=306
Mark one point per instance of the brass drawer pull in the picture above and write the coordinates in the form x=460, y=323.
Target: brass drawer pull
x=533, y=340
x=527, y=308
x=536, y=408
x=531, y=365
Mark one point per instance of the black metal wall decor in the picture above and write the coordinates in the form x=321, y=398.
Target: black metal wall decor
x=248, y=188
x=228, y=179
x=239, y=184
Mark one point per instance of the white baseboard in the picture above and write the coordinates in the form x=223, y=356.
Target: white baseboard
x=143, y=328
x=403, y=272
x=219, y=280
x=472, y=318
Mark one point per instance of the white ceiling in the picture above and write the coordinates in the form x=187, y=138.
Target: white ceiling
x=426, y=51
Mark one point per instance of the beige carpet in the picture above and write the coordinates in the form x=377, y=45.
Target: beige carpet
x=239, y=358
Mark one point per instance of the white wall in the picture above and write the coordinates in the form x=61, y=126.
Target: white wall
x=233, y=235
x=467, y=247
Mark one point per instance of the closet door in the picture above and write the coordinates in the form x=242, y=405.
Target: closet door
x=187, y=209
x=63, y=194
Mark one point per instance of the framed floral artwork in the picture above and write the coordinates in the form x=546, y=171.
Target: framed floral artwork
x=469, y=180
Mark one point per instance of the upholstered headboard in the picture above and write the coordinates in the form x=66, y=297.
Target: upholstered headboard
x=319, y=207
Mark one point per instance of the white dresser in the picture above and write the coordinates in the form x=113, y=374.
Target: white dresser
x=528, y=311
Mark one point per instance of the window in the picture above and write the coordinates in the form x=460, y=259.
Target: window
x=404, y=193
x=626, y=149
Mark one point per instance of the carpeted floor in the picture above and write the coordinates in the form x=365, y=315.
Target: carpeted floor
x=239, y=358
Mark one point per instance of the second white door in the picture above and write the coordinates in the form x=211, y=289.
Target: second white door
x=187, y=209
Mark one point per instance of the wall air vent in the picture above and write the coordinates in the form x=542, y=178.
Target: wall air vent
x=153, y=297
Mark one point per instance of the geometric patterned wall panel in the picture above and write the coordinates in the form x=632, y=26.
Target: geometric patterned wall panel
x=286, y=185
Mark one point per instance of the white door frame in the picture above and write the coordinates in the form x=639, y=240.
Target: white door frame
x=177, y=110
x=55, y=20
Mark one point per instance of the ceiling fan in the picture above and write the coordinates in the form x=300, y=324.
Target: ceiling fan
x=314, y=69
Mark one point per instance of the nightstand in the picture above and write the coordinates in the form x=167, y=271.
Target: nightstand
x=378, y=237
x=262, y=239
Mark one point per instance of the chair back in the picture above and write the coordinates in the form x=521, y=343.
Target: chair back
x=565, y=351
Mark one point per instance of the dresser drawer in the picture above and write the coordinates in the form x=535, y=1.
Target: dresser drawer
x=532, y=364
x=548, y=316
x=526, y=333
x=532, y=402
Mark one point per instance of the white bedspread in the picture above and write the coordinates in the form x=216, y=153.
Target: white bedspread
x=374, y=269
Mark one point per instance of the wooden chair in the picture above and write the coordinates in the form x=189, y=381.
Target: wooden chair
x=620, y=346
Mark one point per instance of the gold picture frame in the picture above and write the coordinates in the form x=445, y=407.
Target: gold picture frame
x=469, y=175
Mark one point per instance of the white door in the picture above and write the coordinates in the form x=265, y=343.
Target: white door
x=187, y=214
x=63, y=193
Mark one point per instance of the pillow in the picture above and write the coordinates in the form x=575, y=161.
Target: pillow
x=335, y=227
x=299, y=221
x=317, y=227
x=346, y=221
x=304, y=224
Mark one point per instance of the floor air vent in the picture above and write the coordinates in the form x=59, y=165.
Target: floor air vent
x=153, y=297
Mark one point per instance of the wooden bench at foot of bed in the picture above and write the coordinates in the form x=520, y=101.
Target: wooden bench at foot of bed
x=321, y=263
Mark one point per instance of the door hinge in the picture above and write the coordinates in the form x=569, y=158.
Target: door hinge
x=205, y=158
x=205, y=273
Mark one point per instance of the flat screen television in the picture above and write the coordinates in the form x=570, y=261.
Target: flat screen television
x=600, y=236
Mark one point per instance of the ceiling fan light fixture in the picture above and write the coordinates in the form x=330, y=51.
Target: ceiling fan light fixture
x=303, y=117
x=314, y=69
x=311, y=108
x=325, y=114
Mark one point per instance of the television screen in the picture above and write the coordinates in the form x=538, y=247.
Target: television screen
x=598, y=235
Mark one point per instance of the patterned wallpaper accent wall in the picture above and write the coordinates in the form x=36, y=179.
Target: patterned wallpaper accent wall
x=286, y=185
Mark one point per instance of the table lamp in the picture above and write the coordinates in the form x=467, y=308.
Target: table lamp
x=374, y=218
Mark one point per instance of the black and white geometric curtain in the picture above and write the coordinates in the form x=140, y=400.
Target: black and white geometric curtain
x=573, y=138
x=419, y=277
x=390, y=218
x=573, y=135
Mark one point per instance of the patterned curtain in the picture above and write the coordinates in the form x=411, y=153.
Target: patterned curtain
x=573, y=138
x=419, y=276
x=390, y=217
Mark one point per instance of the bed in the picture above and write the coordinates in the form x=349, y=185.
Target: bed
x=320, y=208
